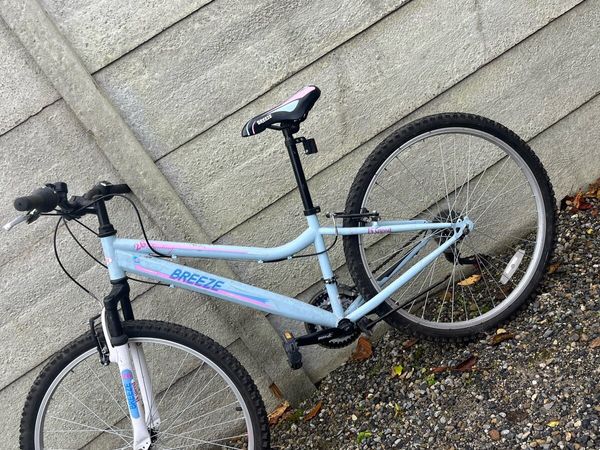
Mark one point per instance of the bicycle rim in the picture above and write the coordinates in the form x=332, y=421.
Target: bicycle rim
x=491, y=184
x=93, y=413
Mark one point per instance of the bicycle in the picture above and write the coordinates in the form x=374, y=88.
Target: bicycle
x=444, y=251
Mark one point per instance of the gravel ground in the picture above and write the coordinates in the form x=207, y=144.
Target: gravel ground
x=538, y=389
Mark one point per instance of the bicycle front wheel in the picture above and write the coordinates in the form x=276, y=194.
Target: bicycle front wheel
x=204, y=397
x=444, y=168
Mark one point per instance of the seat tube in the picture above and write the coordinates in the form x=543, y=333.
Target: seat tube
x=290, y=143
x=325, y=264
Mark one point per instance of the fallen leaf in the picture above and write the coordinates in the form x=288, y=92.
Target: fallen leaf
x=553, y=423
x=313, y=412
x=363, y=351
x=470, y=280
x=277, y=414
x=595, y=343
x=553, y=267
x=594, y=189
x=397, y=371
x=409, y=343
x=440, y=369
x=494, y=434
x=397, y=410
x=430, y=379
x=466, y=365
x=363, y=435
x=501, y=331
x=580, y=203
x=497, y=338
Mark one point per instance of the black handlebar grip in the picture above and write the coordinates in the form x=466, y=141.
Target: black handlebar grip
x=105, y=188
x=119, y=189
x=43, y=199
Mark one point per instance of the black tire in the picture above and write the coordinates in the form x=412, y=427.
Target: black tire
x=413, y=132
x=157, y=330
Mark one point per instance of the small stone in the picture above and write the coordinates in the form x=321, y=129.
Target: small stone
x=494, y=435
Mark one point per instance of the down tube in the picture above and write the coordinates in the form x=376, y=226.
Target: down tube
x=223, y=288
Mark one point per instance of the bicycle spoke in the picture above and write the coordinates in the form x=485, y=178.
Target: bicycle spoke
x=106, y=388
x=89, y=428
x=193, y=404
x=444, y=172
x=203, y=441
x=430, y=270
x=92, y=412
x=428, y=292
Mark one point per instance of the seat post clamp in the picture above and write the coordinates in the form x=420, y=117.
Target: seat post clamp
x=310, y=146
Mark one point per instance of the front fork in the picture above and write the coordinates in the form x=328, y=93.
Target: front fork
x=133, y=370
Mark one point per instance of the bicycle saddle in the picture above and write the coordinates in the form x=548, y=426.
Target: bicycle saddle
x=294, y=109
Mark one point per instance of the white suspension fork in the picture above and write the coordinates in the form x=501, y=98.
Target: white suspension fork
x=145, y=384
x=122, y=356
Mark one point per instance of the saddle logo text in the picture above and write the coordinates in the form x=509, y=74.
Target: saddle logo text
x=380, y=230
x=264, y=119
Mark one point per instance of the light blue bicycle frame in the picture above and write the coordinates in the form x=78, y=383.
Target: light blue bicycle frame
x=134, y=256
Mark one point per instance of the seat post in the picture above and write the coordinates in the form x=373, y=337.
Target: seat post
x=290, y=143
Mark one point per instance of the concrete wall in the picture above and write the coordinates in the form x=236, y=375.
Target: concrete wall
x=155, y=94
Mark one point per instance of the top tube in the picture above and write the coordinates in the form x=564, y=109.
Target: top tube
x=228, y=252
x=307, y=238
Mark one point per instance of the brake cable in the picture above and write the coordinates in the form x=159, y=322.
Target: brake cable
x=87, y=252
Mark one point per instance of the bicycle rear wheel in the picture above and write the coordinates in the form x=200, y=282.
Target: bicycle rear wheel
x=204, y=397
x=443, y=168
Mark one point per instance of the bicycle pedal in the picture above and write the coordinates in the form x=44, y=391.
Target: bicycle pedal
x=291, y=349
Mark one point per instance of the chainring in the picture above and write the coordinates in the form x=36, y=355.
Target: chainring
x=321, y=300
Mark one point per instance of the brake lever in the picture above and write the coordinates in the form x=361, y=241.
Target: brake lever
x=29, y=217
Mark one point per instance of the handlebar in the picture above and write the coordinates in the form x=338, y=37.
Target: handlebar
x=49, y=197
x=46, y=199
